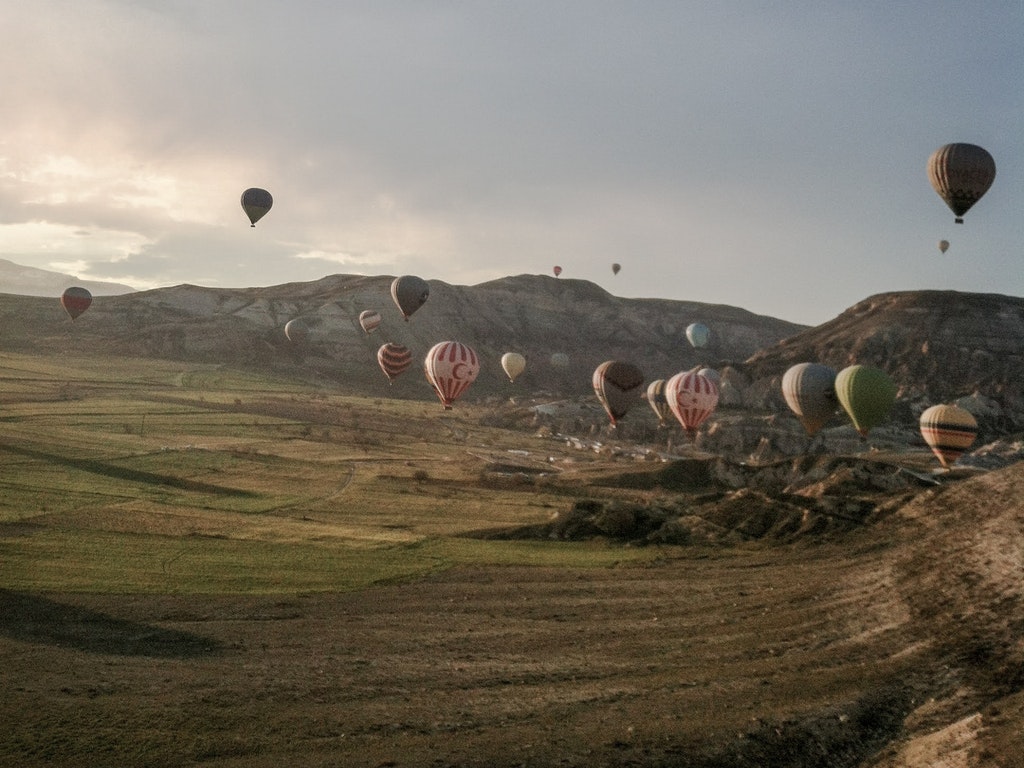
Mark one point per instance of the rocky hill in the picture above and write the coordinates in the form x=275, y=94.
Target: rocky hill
x=938, y=346
x=534, y=315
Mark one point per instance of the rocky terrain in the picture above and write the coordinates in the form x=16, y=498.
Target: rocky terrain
x=938, y=346
x=29, y=281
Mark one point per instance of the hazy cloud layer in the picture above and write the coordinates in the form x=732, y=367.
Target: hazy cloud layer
x=766, y=155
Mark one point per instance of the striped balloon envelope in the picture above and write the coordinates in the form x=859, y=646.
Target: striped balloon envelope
x=658, y=403
x=369, y=319
x=949, y=430
x=296, y=330
x=692, y=398
x=810, y=392
x=394, y=360
x=75, y=301
x=450, y=367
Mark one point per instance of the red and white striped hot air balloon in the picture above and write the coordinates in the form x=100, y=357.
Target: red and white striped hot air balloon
x=949, y=430
x=394, y=360
x=369, y=319
x=451, y=367
x=692, y=398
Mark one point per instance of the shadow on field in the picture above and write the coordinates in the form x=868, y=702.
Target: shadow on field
x=123, y=473
x=35, y=619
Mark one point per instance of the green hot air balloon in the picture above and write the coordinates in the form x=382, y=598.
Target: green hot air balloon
x=867, y=395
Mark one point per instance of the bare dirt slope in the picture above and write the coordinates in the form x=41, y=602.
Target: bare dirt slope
x=895, y=644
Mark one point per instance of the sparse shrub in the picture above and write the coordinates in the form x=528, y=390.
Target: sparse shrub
x=421, y=476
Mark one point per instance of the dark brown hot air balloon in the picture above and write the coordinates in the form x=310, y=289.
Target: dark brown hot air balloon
x=961, y=174
x=75, y=301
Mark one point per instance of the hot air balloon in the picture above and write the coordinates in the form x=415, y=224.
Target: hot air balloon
x=75, y=301
x=712, y=374
x=810, y=392
x=557, y=270
x=949, y=430
x=369, y=319
x=961, y=174
x=943, y=245
x=692, y=398
x=296, y=330
x=513, y=364
x=450, y=367
x=657, y=400
x=617, y=385
x=394, y=360
x=409, y=293
x=256, y=203
x=698, y=335
x=866, y=394
x=616, y=268
x=560, y=360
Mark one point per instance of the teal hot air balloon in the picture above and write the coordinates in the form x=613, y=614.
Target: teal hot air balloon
x=867, y=395
x=810, y=392
x=698, y=335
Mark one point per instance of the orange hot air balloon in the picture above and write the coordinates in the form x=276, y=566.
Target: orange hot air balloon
x=557, y=270
x=369, y=319
x=692, y=398
x=394, y=360
x=949, y=430
x=617, y=385
x=75, y=301
x=451, y=367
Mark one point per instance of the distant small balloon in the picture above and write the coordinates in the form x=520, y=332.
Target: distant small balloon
x=617, y=386
x=369, y=319
x=296, y=330
x=557, y=270
x=560, y=360
x=961, y=174
x=616, y=268
x=943, y=245
x=409, y=293
x=513, y=364
x=394, y=360
x=698, y=335
x=75, y=301
x=949, y=430
x=256, y=203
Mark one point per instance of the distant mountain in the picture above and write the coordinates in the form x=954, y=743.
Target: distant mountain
x=29, y=281
x=531, y=314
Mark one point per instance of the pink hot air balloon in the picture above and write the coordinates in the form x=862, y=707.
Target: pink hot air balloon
x=692, y=398
x=451, y=367
x=557, y=270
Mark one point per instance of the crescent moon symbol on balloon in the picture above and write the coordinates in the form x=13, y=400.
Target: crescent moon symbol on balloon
x=455, y=371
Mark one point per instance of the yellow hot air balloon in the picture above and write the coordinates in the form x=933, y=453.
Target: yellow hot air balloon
x=961, y=173
x=949, y=430
x=513, y=364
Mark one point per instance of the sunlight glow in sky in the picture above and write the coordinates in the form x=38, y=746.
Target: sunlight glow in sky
x=767, y=156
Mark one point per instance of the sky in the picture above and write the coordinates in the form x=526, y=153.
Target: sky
x=765, y=155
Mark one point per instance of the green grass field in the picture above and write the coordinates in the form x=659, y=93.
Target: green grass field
x=149, y=477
